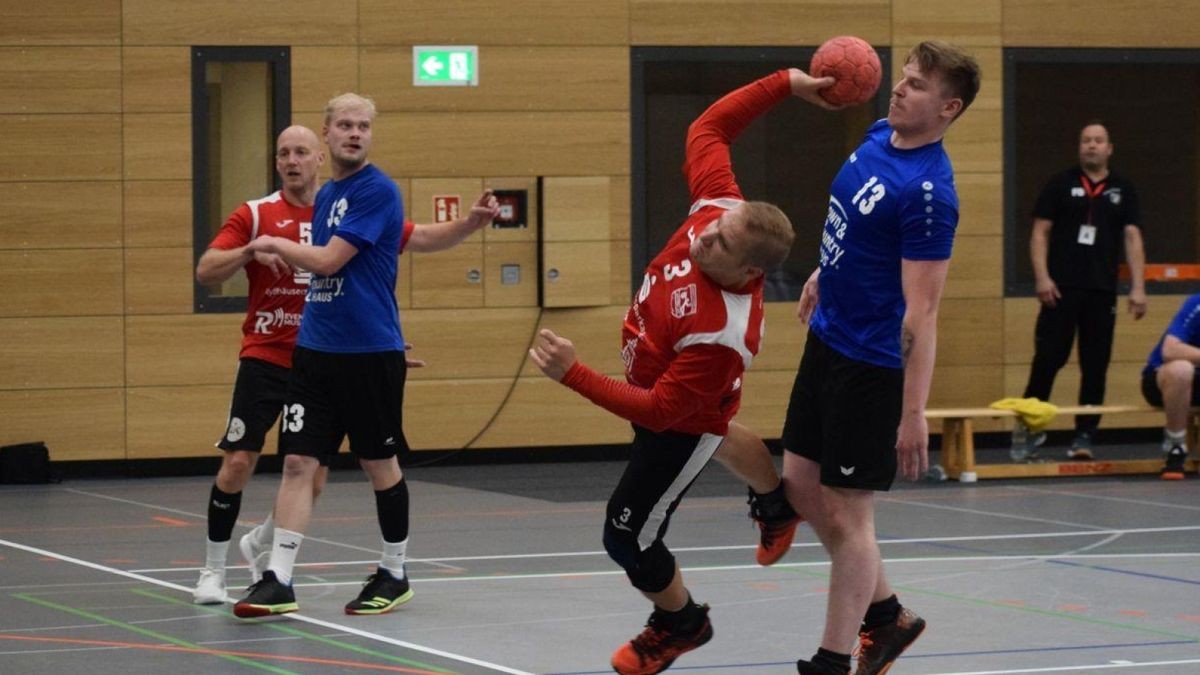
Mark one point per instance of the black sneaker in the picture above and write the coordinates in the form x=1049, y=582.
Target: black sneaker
x=1081, y=447
x=879, y=647
x=266, y=597
x=381, y=593
x=1176, y=463
x=776, y=522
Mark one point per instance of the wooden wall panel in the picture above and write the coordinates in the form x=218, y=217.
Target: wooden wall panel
x=233, y=22
x=61, y=282
x=967, y=386
x=496, y=256
x=50, y=216
x=61, y=22
x=503, y=144
x=576, y=208
x=495, y=22
x=158, y=213
x=980, y=203
x=60, y=148
x=450, y=278
x=765, y=396
x=970, y=332
x=773, y=22
x=76, y=424
x=60, y=80
x=620, y=271
x=159, y=280
x=976, y=268
x=182, y=350
x=158, y=146
x=177, y=421
x=619, y=207
x=320, y=73
x=1103, y=23
x=423, y=195
x=462, y=344
x=576, y=274
x=783, y=341
x=968, y=24
x=542, y=412
x=62, y=353
x=156, y=79
x=511, y=79
x=447, y=414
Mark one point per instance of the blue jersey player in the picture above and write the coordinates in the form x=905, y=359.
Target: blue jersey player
x=857, y=406
x=348, y=370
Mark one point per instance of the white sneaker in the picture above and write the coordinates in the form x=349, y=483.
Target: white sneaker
x=210, y=589
x=258, y=558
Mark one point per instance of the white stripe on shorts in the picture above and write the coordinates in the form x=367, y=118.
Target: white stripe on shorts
x=705, y=449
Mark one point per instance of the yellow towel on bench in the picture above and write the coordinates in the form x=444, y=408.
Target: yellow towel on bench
x=1036, y=414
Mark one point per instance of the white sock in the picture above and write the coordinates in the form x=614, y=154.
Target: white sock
x=215, y=553
x=1173, y=438
x=393, y=558
x=283, y=554
x=262, y=532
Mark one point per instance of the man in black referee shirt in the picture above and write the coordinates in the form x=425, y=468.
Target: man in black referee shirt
x=1082, y=220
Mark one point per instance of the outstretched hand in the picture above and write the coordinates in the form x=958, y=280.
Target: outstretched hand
x=807, y=87
x=483, y=211
x=554, y=355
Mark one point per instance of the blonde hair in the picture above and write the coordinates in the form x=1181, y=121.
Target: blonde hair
x=771, y=235
x=349, y=100
x=959, y=70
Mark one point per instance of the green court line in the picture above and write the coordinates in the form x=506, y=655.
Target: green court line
x=1027, y=610
x=203, y=651
x=214, y=609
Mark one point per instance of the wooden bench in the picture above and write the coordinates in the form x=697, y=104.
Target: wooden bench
x=958, y=446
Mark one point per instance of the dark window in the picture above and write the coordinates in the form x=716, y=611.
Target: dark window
x=1147, y=100
x=787, y=157
x=241, y=100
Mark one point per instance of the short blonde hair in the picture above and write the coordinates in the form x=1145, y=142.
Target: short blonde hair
x=349, y=100
x=771, y=235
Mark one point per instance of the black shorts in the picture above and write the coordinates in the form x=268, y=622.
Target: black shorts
x=662, y=466
x=331, y=396
x=258, y=395
x=1153, y=394
x=843, y=415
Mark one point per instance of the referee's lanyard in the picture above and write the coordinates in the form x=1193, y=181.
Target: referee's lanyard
x=1092, y=190
x=1087, y=230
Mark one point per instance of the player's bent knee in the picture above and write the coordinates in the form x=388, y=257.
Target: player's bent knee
x=650, y=571
x=621, y=546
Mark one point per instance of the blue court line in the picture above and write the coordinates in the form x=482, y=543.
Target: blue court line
x=1102, y=568
x=913, y=657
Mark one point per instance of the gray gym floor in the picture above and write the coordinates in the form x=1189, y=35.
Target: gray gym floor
x=1035, y=576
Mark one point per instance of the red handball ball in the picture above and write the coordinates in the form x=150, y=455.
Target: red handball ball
x=853, y=63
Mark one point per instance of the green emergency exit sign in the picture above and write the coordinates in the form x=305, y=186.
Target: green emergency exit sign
x=440, y=66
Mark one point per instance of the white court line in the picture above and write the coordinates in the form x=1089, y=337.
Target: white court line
x=294, y=615
x=204, y=517
x=979, y=512
x=705, y=549
x=1125, y=500
x=815, y=563
x=1059, y=669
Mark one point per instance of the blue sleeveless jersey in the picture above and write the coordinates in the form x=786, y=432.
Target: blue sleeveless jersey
x=885, y=204
x=354, y=311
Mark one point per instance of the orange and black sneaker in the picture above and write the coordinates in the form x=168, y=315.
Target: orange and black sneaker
x=1175, y=464
x=777, y=523
x=657, y=647
x=879, y=647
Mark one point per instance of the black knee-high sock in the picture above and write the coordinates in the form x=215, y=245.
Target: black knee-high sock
x=223, y=509
x=392, y=506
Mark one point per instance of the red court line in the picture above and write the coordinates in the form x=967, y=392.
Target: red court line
x=221, y=652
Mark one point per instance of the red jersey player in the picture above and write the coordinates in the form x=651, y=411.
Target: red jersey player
x=275, y=302
x=687, y=339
